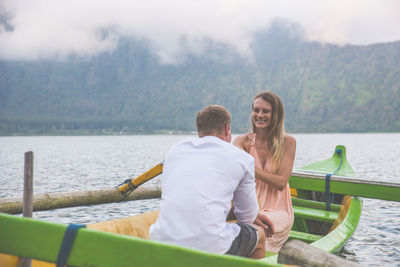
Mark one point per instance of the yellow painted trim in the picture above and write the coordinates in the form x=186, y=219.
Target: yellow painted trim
x=293, y=192
x=346, y=202
x=153, y=172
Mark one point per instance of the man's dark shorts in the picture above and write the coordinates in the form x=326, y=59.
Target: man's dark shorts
x=245, y=243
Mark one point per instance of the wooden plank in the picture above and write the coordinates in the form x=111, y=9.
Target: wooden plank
x=314, y=214
x=346, y=185
x=41, y=240
x=314, y=204
x=306, y=237
x=27, y=206
x=299, y=253
x=27, y=198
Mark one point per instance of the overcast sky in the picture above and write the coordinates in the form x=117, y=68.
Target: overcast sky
x=35, y=29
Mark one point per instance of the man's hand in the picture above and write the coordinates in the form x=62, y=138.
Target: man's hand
x=264, y=222
x=231, y=215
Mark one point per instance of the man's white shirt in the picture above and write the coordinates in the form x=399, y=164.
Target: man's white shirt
x=201, y=176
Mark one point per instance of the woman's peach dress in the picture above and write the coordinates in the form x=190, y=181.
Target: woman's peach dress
x=275, y=204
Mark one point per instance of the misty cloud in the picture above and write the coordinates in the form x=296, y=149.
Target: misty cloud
x=41, y=29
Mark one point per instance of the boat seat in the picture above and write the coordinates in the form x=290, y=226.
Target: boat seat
x=314, y=204
x=306, y=237
x=314, y=214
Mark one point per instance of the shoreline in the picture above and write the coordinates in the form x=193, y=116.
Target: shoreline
x=162, y=132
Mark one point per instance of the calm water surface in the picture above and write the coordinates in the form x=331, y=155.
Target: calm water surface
x=73, y=163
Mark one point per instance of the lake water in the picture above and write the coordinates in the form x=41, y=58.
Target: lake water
x=76, y=163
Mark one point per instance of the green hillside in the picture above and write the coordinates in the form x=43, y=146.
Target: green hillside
x=325, y=88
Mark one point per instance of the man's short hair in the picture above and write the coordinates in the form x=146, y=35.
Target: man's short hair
x=212, y=120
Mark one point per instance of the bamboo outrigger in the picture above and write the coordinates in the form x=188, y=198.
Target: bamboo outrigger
x=75, y=199
x=124, y=242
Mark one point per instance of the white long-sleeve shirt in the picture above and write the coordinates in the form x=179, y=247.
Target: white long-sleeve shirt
x=201, y=177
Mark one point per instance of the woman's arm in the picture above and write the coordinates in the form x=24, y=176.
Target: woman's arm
x=280, y=179
x=243, y=141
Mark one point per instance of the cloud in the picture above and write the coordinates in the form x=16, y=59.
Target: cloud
x=40, y=29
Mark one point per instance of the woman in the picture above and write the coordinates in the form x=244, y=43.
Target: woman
x=273, y=151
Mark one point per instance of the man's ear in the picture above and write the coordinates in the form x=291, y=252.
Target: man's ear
x=228, y=133
x=227, y=129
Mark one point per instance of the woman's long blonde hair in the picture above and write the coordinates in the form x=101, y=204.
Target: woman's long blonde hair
x=276, y=129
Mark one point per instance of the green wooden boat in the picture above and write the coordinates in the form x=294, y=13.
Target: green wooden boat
x=124, y=242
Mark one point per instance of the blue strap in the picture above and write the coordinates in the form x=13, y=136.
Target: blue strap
x=328, y=191
x=328, y=195
x=68, y=241
x=339, y=151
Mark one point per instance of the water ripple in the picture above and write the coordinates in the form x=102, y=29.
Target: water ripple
x=65, y=164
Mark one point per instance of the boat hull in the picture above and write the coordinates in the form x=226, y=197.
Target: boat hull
x=41, y=240
x=108, y=243
x=125, y=242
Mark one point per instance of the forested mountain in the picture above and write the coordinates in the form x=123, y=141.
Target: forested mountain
x=325, y=88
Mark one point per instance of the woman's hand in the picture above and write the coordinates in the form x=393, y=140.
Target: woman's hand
x=264, y=222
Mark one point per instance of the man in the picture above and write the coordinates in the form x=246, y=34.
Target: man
x=201, y=178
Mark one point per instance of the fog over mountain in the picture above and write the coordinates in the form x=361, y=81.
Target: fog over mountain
x=43, y=29
x=132, y=88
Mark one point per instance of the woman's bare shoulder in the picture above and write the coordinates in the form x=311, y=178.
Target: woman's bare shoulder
x=290, y=140
x=243, y=141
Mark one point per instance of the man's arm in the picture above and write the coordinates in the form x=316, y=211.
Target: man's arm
x=245, y=199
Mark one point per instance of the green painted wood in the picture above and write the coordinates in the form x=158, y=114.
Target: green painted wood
x=347, y=186
x=335, y=240
x=331, y=164
x=300, y=224
x=314, y=214
x=41, y=240
x=306, y=237
x=314, y=204
x=312, y=177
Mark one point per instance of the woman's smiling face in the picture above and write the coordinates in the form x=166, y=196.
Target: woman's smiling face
x=262, y=113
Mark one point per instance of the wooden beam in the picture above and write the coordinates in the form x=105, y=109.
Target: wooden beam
x=299, y=253
x=346, y=185
x=27, y=198
x=315, y=214
x=80, y=198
